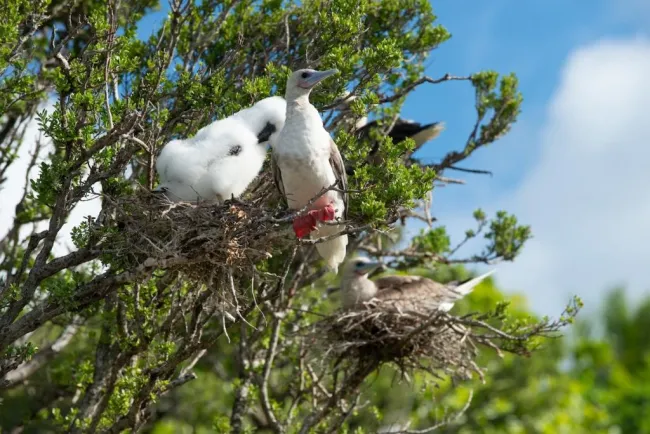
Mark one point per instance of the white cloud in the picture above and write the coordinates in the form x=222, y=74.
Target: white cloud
x=587, y=197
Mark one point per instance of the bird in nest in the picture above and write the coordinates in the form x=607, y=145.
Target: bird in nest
x=401, y=293
x=305, y=161
x=399, y=130
x=224, y=157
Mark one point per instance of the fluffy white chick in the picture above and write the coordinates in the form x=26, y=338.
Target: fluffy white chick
x=224, y=157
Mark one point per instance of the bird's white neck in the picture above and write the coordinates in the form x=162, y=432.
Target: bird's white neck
x=301, y=112
x=297, y=102
x=357, y=290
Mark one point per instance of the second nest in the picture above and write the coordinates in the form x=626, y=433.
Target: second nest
x=438, y=344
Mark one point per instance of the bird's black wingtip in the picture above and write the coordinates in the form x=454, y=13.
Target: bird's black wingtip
x=266, y=132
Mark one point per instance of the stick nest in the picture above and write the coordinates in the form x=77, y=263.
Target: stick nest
x=194, y=238
x=438, y=343
x=409, y=341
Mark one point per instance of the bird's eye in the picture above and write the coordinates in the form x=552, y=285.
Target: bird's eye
x=304, y=75
x=359, y=264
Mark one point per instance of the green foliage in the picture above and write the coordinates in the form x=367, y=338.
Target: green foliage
x=386, y=188
x=20, y=353
x=506, y=237
x=18, y=87
x=504, y=104
x=433, y=241
x=613, y=362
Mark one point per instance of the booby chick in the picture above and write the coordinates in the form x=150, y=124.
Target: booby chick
x=306, y=161
x=401, y=293
x=224, y=157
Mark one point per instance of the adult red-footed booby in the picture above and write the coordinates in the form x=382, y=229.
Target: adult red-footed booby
x=224, y=157
x=306, y=161
x=402, y=293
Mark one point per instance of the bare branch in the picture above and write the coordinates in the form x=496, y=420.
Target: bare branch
x=407, y=89
x=447, y=421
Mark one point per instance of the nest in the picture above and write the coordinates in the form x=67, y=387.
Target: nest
x=193, y=238
x=435, y=342
x=438, y=344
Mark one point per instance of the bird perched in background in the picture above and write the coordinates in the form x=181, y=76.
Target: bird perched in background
x=401, y=130
x=306, y=161
x=224, y=157
x=402, y=293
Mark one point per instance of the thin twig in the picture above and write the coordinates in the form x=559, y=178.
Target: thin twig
x=477, y=171
x=447, y=421
x=264, y=385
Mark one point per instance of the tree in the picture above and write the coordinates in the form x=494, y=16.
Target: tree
x=93, y=339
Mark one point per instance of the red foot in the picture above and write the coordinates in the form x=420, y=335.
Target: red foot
x=327, y=213
x=303, y=225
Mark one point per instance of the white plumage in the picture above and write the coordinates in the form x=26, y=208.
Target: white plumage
x=306, y=161
x=224, y=157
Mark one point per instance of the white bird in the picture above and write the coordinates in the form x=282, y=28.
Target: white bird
x=224, y=157
x=306, y=161
x=403, y=293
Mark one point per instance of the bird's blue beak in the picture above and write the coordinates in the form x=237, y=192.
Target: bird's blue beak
x=368, y=267
x=319, y=76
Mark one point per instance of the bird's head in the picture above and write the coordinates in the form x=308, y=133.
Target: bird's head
x=302, y=81
x=265, y=118
x=355, y=285
x=359, y=266
x=270, y=114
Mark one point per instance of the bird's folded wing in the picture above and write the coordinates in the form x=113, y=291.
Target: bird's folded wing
x=397, y=282
x=392, y=288
x=277, y=176
x=336, y=161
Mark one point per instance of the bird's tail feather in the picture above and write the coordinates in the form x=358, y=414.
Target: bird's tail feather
x=333, y=251
x=428, y=132
x=466, y=287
